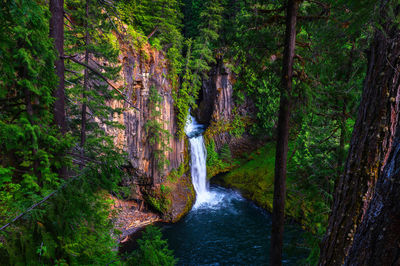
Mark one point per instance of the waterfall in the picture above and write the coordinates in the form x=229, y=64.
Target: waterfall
x=198, y=154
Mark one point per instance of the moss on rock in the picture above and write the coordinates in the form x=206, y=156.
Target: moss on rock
x=175, y=196
x=255, y=178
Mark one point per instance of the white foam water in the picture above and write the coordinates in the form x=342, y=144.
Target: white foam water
x=198, y=154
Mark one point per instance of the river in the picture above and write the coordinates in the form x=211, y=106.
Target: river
x=223, y=228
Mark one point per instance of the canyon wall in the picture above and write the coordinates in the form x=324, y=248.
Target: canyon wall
x=143, y=69
x=227, y=121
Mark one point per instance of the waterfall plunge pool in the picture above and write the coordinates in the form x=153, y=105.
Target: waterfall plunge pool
x=223, y=228
x=229, y=230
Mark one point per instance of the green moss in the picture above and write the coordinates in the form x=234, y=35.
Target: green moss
x=255, y=179
x=174, y=197
x=160, y=204
x=175, y=174
x=218, y=163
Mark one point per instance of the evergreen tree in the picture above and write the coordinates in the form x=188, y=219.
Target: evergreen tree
x=92, y=66
x=30, y=145
x=278, y=213
x=72, y=225
x=153, y=250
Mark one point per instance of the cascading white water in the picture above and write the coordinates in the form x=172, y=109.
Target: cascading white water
x=198, y=169
x=198, y=155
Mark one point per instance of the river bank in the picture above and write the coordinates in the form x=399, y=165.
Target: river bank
x=253, y=176
x=130, y=218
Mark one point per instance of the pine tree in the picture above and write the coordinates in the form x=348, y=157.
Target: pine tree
x=92, y=66
x=72, y=225
x=278, y=213
x=31, y=147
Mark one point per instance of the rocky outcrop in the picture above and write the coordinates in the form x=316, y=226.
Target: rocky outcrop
x=227, y=121
x=145, y=69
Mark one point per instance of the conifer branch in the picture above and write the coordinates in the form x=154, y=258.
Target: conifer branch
x=65, y=16
x=72, y=58
x=37, y=204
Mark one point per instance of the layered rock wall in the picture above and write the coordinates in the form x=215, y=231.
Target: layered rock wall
x=142, y=69
x=217, y=109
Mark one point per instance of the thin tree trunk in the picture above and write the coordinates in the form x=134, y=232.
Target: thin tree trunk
x=371, y=143
x=278, y=213
x=57, y=33
x=85, y=82
x=343, y=119
x=30, y=112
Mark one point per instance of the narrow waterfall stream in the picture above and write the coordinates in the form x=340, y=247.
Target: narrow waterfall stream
x=223, y=228
x=198, y=155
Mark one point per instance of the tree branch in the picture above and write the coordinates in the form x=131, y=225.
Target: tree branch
x=72, y=58
x=153, y=32
x=65, y=16
x=36, y=204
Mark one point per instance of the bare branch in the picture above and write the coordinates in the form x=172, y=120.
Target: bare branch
x=153, y=32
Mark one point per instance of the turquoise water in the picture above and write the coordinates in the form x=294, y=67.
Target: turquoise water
x=229, y=230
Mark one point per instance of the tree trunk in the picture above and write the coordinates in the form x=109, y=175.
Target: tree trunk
x=371, y=143
x=57, y=33
x=343, y=118
x=278, y=213
x=85, y=82
x=377, y=241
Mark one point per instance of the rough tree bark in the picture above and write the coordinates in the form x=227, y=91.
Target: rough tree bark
x=377, y=241
x=372, y=142
x=278, y=213
x=57, y=33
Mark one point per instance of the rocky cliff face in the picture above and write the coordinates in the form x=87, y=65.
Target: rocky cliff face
x=144, y=69
x=227, y=121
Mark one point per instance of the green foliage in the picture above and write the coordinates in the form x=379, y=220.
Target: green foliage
x=158, y=204
x=212, y=155
x=225, y=153
x=184, y=99
x=237, y=127
x=31, y=149
x=73, y=226
x=192, y=19
x=161, y=21
x=218, y=162
x=200, y=55
x=203, y=48
x=157, y=136
x=153, y=250
x=175, y=174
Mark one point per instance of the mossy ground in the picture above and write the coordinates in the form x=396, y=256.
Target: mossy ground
x=255, y=179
